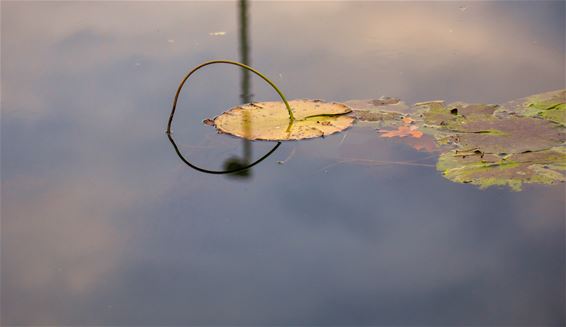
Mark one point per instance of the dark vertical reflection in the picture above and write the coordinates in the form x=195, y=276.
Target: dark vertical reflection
x=244, y=50
x=245, y=95
x=234, y=166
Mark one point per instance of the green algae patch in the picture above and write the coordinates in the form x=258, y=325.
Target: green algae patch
x=269, y=121
x=549, y=105
x=485, y=170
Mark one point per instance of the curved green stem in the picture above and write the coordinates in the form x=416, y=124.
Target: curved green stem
x=291, y=117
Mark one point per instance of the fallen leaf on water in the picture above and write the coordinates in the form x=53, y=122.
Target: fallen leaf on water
x=402, y=131
x=407, y=120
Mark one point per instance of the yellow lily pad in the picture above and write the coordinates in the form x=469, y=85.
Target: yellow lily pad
x=269, y=121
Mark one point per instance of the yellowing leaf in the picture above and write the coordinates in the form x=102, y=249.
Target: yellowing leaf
x=270, y=121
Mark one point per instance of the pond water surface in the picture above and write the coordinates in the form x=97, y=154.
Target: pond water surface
x=103, y=224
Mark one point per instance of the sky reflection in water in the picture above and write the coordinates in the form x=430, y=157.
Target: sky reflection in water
x=103, y=224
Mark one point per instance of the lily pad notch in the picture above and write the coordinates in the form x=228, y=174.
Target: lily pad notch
x=229, y=62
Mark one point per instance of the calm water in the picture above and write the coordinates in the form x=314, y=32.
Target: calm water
x=103, y=224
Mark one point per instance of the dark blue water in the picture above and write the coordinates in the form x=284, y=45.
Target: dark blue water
x=103, y=224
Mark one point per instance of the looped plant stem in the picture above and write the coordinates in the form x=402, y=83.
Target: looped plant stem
x=291, y=117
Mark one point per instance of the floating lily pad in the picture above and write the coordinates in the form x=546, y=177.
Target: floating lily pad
x=499, y=145
x=385, y=111
x=485, y=170
x=452, y=116
x=476, y=127
x=270, y=120
x=384, y=117
x=509, y=135
x=548, y=105
x=491, y=144
x=381, y=104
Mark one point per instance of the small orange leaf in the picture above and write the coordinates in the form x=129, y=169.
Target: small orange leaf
x=402, y=131
x=407, y=120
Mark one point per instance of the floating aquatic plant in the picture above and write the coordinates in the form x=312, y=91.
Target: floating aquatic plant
x=519, y=142
x=549, y=105
x=513, y=170
x=269, y=121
